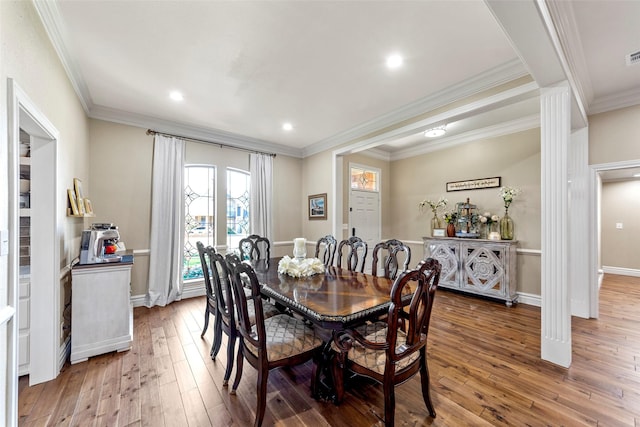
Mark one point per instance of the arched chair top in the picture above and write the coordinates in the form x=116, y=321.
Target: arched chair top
x=356, y=255
x=254, y=248
x=391, y=255
x=326, y=249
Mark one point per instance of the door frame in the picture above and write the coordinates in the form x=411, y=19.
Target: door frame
x=44, y=321
x=595, y=239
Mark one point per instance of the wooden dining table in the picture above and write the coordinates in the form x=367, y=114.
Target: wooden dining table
x=334, y=300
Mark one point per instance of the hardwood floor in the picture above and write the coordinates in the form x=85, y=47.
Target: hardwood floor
x=483, y=359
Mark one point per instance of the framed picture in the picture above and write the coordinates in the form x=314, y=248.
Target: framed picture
x=439, y=232
x=77, y=184
x=318, y=206
x=88, y=207
x=73, y=202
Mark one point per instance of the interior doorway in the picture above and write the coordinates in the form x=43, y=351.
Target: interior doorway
x=43, y=305
x=599, y=173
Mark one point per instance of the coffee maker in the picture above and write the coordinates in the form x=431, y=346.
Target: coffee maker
x=93, y=242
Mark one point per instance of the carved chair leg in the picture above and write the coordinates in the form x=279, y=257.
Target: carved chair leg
x=230, y=349
x=389, y=402
x=206, y=320
x=217, y=337
x=263, y=376
x=239, y=362
x=424, y=379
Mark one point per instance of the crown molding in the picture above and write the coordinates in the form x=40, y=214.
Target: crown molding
x=513, y=126
x=496, y=76
x=55, y=28
x=191, y=131
x=615, y=102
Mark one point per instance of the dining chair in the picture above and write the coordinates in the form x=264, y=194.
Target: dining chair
x=390, y=254
x=254, y=248
x=326, y=249
x=225, y=309
x=280, y=340
x=211, y=306
x=356, y=255
x=383, y=351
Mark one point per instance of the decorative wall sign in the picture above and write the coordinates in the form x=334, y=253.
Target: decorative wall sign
x=474, y=184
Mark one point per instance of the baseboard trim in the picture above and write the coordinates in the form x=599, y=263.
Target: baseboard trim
x=621, y=271
x=190, y=292
x=529, y=299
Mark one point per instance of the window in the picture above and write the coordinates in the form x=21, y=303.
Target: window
x=363, y=179
x=238, y=223
x=199, y=216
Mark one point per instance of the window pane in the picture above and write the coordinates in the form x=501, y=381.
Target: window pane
x=237, y=206
x=199, y=220
x=364, y=179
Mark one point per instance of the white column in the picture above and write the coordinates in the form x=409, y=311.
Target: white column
x=555, y=127
x=579, y=214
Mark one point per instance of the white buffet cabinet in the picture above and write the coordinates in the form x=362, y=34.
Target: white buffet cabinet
x=101, y=309
x=477, y=266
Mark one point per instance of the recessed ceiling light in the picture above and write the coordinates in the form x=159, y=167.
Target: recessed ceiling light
x=176, y=96
x=394, y=61
x=636, y=175
x=287, y=126
x=436, y=131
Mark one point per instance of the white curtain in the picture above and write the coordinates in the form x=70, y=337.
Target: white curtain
x=261, y=184
x=167, y=223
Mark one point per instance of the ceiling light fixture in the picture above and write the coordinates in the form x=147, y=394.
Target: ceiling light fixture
x=394, y=61
x=636, y=175
x=287, y=126
x=176, y=96
x=436, y=131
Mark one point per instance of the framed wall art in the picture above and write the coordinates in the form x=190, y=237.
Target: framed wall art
x=318, y=206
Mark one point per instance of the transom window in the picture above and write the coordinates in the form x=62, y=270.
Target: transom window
x=364, y=179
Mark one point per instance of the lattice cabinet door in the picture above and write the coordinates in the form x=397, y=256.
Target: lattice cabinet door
x=447, y=253
x=483, y=271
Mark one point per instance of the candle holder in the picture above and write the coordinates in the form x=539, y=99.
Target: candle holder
x=299, y=248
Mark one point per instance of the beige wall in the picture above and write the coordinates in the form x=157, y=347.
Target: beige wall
x=515, y=158
x=317, y=171
x=28, y=57
x=614, y=136
x=620, y=204
x=121, y=164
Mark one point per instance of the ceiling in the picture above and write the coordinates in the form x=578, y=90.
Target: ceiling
x=246, y=67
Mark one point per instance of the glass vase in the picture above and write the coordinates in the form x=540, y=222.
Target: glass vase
x=435, y=222
x=506, y=226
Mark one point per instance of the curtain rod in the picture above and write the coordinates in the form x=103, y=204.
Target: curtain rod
x=221, y=145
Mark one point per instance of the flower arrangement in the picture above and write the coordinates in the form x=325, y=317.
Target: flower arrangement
x=489, y=219
x=450, y=217
x=303, y=268
x=434, y=206
x=508, y=194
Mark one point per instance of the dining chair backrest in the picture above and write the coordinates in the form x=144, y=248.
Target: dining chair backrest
x=242, y=275
x=254, y=248
x=222, y=286
x=326, y=249
x=356, y=253
x=391, y=255
x=416, y=312
x=211, y=301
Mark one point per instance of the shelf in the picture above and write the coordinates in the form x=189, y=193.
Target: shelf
x=25, y=211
